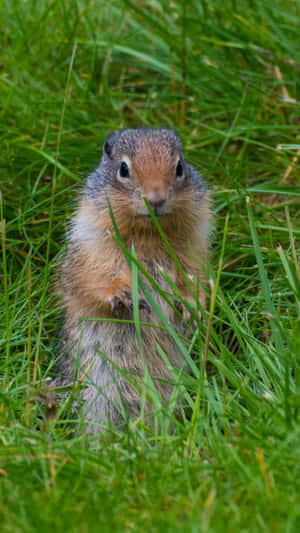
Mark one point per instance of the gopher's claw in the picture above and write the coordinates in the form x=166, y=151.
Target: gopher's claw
x=123, y=300
x=144, y=305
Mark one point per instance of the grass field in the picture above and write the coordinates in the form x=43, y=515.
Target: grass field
x=226, y=76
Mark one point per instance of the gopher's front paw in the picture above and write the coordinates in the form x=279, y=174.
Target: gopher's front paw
x=187, y=317
x=123, y=300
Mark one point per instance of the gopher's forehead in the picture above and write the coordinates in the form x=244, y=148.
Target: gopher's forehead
x=148, y=143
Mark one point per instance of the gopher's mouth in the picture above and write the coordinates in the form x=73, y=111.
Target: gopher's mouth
x=159, y=211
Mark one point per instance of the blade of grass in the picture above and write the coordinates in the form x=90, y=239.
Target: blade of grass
x=202, y=376
x=51, y=213
x=265, y=283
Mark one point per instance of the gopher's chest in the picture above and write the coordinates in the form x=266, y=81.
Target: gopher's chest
x=160, y=268
x=153, y=255
x=162, y=272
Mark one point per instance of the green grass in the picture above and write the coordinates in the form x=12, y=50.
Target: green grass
x=226, y=76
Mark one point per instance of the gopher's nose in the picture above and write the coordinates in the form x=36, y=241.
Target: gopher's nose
x=157, y=203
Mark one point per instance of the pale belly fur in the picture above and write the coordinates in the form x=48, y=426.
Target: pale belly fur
x=97, y=347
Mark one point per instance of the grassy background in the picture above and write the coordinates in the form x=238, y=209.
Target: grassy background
x=226, y=75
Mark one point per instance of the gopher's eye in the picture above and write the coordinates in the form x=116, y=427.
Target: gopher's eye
x=179, y=170
x=124, y=170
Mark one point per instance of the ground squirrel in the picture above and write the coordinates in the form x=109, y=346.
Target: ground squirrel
x=95, y=279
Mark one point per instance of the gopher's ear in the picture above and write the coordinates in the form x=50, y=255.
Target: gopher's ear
x=109, y=143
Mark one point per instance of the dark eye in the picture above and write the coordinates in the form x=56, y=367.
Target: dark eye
x=179, y=169
x=124, y=170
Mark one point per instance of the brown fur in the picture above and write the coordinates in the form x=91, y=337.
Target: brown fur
x=95, y=279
